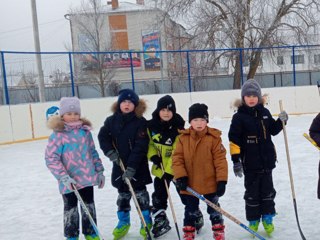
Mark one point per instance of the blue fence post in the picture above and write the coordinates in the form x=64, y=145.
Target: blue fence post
x=294, y=66
x=5, y=85
x=241, y=65
x=132, y=72
x=189, y=75
x=71, y=74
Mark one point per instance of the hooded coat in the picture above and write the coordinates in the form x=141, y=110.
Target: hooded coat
x=314, y=132
x=163, y=138
x=71, y=151
x=127, y=134
x=202, y=158
x=250, y=137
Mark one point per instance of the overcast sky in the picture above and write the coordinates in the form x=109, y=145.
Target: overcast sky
x=16, y=32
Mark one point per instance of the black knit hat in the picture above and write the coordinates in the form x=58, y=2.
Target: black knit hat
x=251, y=88
x=128, y=94
x=166, y=102
x=198, y=110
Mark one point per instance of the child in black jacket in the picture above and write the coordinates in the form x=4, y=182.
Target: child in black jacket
x=253, y=154
x=124, y=137
x=314, y=132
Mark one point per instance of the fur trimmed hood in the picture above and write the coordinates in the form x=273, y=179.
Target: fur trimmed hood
x=56, y=124
x=139, y=110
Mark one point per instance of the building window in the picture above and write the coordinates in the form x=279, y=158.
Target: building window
x=317, y=59
x=298, y=59
x=280, y=60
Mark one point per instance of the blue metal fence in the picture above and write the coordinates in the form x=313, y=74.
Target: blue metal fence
x=96, y=74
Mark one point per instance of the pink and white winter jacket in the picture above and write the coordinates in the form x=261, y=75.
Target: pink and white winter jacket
x=71, y=151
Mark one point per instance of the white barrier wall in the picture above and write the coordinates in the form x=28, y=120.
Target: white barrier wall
x=28, y=121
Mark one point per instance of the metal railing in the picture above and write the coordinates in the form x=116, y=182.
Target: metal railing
x=101, y=74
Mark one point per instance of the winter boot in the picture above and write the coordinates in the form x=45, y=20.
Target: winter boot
x=161, y=223
x=254, y=225
x=218, y=231
x=267, y=223
x=123, y=225
x=91, y=237
x=189, y=232
x=199, y=221
x=148, y=220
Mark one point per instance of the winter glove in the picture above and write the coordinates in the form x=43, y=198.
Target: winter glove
x=166, y=176
x=113, y=156
x=221, y=188
x=238, y=169
x=68, y=182
x=101, y=180
x=129, y=173
x=182, y=183
x=156, y=160
x=283, y=116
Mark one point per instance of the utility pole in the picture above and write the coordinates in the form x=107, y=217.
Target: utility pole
x=37, y=49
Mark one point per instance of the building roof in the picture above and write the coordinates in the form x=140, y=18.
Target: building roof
x=127, y=7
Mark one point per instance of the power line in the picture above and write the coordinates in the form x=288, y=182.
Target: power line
x=28, y=27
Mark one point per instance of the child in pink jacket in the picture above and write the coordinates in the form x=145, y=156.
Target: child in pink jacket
x=73, y=160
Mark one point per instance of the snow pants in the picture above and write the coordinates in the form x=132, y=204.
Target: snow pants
x=192, y=211
x=71, y=213
x=124, y=197
x=259, y=195
x=160, y=195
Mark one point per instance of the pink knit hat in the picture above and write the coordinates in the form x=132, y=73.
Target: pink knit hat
x=69, y=104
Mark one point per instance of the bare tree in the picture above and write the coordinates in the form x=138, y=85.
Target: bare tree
x=245, y=24
x=90, y=22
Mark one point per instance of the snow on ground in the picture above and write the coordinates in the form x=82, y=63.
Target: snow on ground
x=31, y=206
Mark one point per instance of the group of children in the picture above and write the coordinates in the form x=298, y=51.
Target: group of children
x=194, y=157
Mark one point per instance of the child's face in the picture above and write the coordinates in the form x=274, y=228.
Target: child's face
x=251, y=101
x=70, y=117
x=198, y=124
x=165, y=114
x=126, y=106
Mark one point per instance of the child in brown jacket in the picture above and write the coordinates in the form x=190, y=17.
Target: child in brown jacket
x=199, y=161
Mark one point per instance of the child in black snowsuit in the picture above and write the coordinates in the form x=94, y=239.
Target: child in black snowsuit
x=253, y=153
x=124, y=137
x=163, y=131
x=314, y=132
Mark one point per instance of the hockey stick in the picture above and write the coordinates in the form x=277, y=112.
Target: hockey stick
x=311, y=140
x=290, y=173
x=136, y=203
x=86, y=210
x=171, y=204
x=220, y=210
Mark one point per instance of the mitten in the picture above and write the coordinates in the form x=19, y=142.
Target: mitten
x=182, y=183
x=221, y=188
x=238, y=169
x=68, y=182
x=101, y=180
x=129, y=173
x=113, y=156
x=166, y=176
x=156, y=160
x=283, y=116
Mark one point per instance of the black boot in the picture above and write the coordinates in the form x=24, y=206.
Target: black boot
x=199, y=221
x=161, y=223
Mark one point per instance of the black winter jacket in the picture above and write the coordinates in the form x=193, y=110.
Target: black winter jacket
x=129, y=135
x=314, y=130
x=251, y=129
